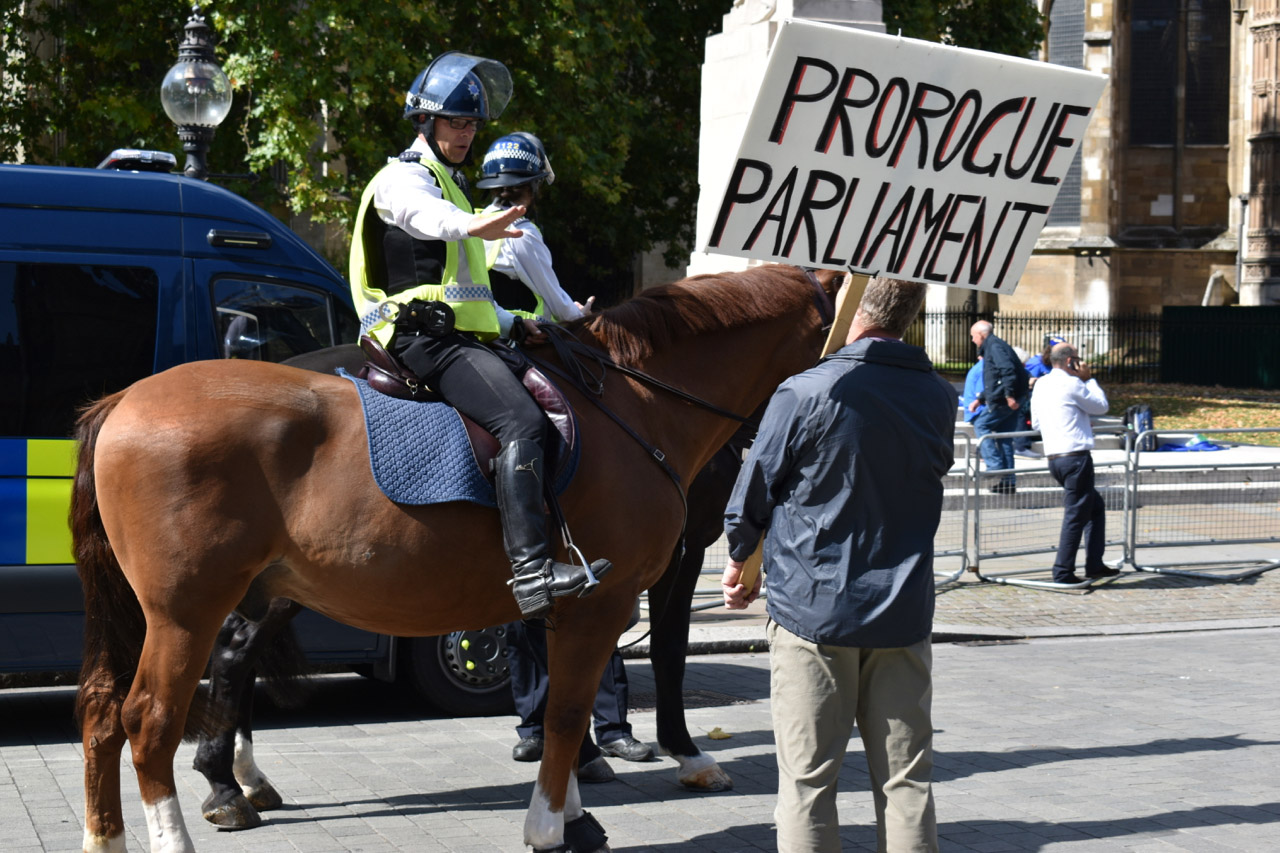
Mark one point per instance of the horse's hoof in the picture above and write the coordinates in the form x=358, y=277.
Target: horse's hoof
x=700, y=772
x=708, y=780
x=264, y=797
x=234, y=814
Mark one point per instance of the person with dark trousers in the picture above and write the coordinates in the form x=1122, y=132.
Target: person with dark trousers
x=1004, y=393
x=1061, y=405
x=527, y=658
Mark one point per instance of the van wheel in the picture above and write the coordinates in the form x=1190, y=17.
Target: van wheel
x=463, y=674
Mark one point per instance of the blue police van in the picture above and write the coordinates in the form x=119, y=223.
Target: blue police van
x=106, y=276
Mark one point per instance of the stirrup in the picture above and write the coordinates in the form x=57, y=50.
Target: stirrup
x=592, y=580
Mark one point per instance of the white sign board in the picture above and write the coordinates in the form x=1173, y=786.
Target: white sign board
x=880, y=154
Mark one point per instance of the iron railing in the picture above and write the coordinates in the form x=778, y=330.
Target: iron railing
x=1119, y=348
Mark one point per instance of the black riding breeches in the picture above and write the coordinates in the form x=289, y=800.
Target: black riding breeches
x=476, y=382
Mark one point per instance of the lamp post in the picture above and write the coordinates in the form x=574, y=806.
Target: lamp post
x=196, y=94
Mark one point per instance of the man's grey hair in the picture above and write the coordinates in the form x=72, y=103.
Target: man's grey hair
x=891, y=304
x=1061, y=354
x=982, y=327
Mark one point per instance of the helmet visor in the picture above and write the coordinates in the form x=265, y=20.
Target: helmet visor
x=448, y=70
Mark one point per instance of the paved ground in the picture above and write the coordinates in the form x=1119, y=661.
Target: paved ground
x=1150, y=743
x=1138, y=715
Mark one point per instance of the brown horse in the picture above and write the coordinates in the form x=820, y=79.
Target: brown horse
x=216, y=483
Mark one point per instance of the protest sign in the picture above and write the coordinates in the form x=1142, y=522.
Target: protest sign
x=880, y=154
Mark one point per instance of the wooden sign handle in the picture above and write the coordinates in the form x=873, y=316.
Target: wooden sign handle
x=847, y=301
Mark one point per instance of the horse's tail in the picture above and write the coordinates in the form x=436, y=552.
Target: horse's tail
x=114, y=625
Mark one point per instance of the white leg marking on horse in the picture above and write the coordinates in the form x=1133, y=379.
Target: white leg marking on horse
x=244, y=767
x=542, y=826
x=102, y=844
x=701, y=772
x=572, y=800
x=168, y=829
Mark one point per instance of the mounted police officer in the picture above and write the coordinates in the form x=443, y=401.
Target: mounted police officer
x=515, y=167
x=419, y=278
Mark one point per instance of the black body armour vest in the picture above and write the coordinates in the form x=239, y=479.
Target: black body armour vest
x=512, y=293
x=404, y=261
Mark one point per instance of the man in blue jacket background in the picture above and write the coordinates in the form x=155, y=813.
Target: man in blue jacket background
x=1004, y=393
x=846, y=473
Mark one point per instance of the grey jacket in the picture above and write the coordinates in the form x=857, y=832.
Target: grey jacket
x=846, y=476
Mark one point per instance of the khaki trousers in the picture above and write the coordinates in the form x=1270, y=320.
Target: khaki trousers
x=819, y=693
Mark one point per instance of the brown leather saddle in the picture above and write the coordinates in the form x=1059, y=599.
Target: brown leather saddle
x=386, y=375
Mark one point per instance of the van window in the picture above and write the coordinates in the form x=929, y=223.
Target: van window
x=270, y=321
x=70, y=333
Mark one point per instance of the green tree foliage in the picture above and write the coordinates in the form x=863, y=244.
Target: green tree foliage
x=1012, y=27
x=612, y=89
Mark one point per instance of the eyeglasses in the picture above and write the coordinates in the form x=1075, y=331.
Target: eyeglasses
x=476, y=124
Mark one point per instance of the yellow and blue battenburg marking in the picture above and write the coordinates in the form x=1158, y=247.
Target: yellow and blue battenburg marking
x=35, y=499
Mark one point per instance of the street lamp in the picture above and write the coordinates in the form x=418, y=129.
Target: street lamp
x=196, y=94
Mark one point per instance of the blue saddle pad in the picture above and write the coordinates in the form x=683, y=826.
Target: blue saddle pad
x=420, y=453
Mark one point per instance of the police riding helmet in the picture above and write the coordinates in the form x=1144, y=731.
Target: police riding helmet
x=514, y=160
x=457, y=86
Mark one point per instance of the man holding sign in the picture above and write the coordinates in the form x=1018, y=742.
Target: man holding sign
x=846, y=474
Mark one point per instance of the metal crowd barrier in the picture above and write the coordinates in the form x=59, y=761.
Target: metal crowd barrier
x=1011, y=527
x=1222, y=506
x=1198, y=514
x=951, y=542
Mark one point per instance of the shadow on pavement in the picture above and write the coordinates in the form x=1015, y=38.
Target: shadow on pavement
x=959, y=765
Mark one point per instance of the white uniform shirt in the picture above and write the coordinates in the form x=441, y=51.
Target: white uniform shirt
x=1060, y=408
x=529, y=260
x=408, y=197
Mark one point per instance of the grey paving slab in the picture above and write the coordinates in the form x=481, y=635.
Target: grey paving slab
x=1150, y=743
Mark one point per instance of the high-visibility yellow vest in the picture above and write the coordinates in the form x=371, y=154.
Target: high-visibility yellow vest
x=539, y=311
x=472, y=304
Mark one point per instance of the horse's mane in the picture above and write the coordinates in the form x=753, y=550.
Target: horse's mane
x=648, y=321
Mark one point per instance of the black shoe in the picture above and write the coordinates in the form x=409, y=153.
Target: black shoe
x=1004, y=489
x=1072, y=578
x=628, y=749
x=596, y=770
x=528, y=749
x=1103, y=572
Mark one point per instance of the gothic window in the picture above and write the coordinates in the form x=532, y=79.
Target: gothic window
x=1066, y=47
x=1160, y=31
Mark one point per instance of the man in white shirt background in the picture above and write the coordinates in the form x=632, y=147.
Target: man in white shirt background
x=1062, y=402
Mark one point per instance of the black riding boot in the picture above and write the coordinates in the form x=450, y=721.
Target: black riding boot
x=538, y=578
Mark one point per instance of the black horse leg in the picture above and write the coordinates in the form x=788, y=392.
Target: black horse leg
x=669, y=602
x=668, y=644
x=225, y=756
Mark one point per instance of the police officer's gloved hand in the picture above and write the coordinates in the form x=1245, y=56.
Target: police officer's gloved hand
x=518, y=331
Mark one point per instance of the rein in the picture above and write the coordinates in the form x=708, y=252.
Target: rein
x=586, y=367
x=821, y=300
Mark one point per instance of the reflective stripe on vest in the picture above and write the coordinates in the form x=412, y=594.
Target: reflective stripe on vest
x=35, y=499
x=539, y=311
x=472, y=304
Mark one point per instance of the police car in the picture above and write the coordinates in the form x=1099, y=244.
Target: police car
x=106, y=276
